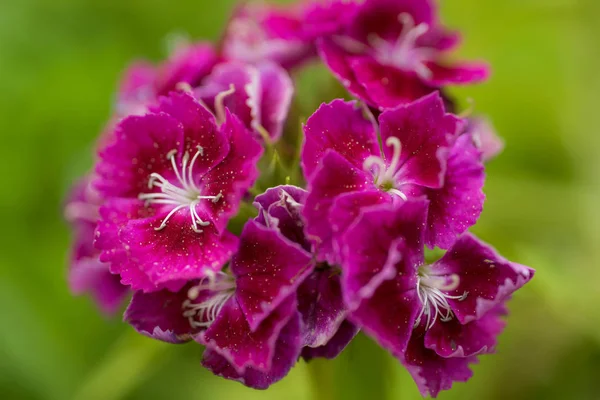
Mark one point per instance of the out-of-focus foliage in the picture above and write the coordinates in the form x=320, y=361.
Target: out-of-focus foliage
x=59, y=64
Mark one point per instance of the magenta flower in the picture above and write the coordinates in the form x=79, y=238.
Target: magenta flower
x=87, y=274
x=259, y=95
x=143, y=82
x=326, y=332
x=390, y=52
x=434, y=317
x=346, y=170
x=258, y=33
x=172, y=179
x=246, y=316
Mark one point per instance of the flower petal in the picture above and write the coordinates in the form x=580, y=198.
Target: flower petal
x=386, y=240
x=235, y=174
x=335, y=345
x=453, y=339
x=159, y=315
x=333, y=177
x=339, y=126
x=199, y=128
x=458, y=74
x=287, y=350
x=431, y=372
x=230, y=336
x=139, y=147
x=115, y=214
x=486, y=277
x=321, y=305
x=177, y=252
x=267, y=269
x=277, y=91
x=279, y=208
x=457, y=205
x=425, y=133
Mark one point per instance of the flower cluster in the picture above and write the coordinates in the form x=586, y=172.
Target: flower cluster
x=173, y=213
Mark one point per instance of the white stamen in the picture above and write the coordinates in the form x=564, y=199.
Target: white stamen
x=387, y=176
x=219, y=106
x=430, y=290
x=201, y=315
x=404, y=53
x=186, y=195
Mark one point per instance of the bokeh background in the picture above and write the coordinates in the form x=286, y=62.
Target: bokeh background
x=59, y=64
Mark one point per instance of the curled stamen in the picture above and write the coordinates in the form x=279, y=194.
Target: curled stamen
x=186, y=194
x=387, y=176
x=220, y=287
x=219, y=106
x=430, y=291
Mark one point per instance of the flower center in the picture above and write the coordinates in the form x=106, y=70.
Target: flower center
x=185, y=194
x=404, y=52
x=214, y=290
x=386, y=177
x=431, y=290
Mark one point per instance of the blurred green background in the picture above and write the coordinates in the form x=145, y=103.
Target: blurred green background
x=59, y=64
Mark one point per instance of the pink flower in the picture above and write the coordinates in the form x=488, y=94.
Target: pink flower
x=172, y=179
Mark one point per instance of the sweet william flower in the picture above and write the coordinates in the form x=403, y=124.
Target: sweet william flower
x=172, y=179
x=421, y=154
x=434, y=317
x=326, y=332
x=87, y=274
x=246, y=315
x=391, y=52
x=257, y=33
x=260, y=95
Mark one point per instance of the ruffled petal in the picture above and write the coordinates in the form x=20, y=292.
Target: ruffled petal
x=138, y=148
x=487, y=278
x=199, y=129
x=235, y=174
x=339, y=126
x=425, y=133
x=230, y=336
x=333, y=177
x=287, y=350
x=457, y=205
x=267, y=269
x=386, y=240
x=321, y=305
x=457, y=74
x=386, y=86
x=277, y=91
x=335, y=345
x=177, y=252
x=89, y=275
x=159, y=315
x=189, y=64
x=347, y=207
x=431, y=372
x=114, y=216
x=279, y=208
x=453, y=339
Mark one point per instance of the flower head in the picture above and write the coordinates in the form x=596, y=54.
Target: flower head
x=391, y=52
x=172, y=179
x=435, y=316
x=421, y=154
